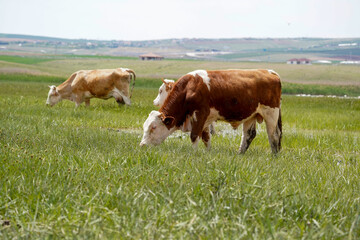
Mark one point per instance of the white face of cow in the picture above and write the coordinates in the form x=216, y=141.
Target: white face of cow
x=53, y=96
x=160, y=99
x=155, y=129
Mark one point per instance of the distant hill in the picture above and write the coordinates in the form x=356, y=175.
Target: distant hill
x=236, y=49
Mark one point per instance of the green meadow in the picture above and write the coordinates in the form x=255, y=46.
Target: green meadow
x=80, y=173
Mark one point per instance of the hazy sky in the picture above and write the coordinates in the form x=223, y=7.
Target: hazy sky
x=159, y=19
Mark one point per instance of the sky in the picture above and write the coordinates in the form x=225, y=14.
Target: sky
x=163, y=19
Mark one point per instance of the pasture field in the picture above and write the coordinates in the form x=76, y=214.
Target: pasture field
x=80, y=173
x=64, y=66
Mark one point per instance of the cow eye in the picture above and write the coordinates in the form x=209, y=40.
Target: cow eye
x=160, y=91
x=153, y=127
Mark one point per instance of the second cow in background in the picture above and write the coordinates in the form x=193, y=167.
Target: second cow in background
x=83, y=85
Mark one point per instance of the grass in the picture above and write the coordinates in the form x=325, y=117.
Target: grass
x=31, y=78
x=80, y=173
x=287, y=88
x=319, y=89
x=45, y=58
x=335, y=75
x=23, y=59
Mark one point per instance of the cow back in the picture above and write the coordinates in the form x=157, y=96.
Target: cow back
x=236, y=94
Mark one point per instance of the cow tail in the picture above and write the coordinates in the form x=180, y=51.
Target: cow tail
x=279, y=126
x=133, y=77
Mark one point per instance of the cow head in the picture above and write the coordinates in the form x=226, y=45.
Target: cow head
x=164, y=90
x=157, y=128
x=53, y=97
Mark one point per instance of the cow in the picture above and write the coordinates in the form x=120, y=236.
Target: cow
x=83, y=85
x=235, y=96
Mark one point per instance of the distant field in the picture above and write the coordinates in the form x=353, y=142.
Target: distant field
x=63, y=66
x=80, y=173
x=314, y=79
x=287, y=88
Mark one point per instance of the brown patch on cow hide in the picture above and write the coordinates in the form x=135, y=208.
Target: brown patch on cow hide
x=236, y=94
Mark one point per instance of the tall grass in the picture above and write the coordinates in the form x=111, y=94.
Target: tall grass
x=80, y=173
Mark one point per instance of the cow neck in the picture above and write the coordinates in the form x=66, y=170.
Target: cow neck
x=64, y=89
x=174, y=105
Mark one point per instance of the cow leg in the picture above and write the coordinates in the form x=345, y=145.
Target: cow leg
x=248, y=134
x=206, y=137
x=78, y=100
x=87, y=102
x=212, y=129
x=195, y=141
x=198, y=126
x=273, y=127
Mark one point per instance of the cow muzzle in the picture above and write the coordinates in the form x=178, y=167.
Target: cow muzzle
x=142, y=143
x=156, y=103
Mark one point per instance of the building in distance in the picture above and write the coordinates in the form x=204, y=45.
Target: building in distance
x=299, y=61
x=151, y=56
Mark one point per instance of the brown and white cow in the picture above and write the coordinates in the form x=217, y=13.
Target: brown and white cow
x=235, y=96
x=83, y=85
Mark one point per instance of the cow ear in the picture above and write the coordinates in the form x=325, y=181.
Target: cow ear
x=55, y=91
x=168, y=121
x=169, y=85
x=162, y=79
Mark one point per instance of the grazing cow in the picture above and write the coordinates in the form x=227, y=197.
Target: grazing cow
x=86, y=84
x=235, y=96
